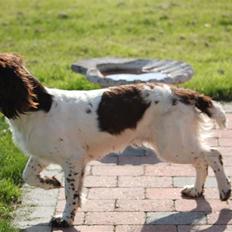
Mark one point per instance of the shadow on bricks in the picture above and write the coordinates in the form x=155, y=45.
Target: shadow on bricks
x=40, y=227
x=132, y=156
x=69, y=229
x=45, y=227
x=192, y=219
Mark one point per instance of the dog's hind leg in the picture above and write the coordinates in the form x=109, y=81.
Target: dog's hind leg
x=74, y=172
x=197, y=189
x=214, y=159
x=31, y=175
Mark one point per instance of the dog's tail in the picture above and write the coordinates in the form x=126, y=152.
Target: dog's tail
x=218, y=114
x=203, y=103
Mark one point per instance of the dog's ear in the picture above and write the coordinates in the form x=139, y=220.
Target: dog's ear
x=16, y=89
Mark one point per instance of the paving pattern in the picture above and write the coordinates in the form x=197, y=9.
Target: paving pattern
x=136, y=193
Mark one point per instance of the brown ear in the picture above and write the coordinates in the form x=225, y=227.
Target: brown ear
x=16, y=90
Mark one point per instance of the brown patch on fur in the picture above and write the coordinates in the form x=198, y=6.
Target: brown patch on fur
x=76, y=195
x=19, y=91
x=221, y=159
x=121, y=108
x=42, y=97
x=190, y=97
x=50, y=181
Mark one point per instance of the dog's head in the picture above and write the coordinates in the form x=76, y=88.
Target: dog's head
x=16, y=89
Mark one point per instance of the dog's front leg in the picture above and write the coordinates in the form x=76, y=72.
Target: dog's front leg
x=31, y=175
x=73, y=183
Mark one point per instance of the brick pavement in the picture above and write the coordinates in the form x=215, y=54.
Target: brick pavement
x=140, y=194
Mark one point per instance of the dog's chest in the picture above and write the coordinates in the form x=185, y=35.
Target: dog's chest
x=42, y=145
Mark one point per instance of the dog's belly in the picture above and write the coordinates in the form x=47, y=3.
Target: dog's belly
x=179, y=150
x=62, y=147
x=176, y=137
x=180, y=157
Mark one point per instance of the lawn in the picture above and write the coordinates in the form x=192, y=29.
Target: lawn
x=53, y=34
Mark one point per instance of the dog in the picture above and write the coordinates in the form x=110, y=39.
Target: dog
x=70, y=128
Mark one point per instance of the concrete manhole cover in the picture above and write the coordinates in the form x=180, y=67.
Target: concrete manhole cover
x=119, y=71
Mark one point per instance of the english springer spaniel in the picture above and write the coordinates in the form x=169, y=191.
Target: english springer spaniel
x=70, y=128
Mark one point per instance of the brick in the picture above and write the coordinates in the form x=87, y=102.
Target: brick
x=176, y=218
x=215, y=132
x=200, y=205
x=117, y=170
x=112, y=218
x=213, y=141
x=225, y=142
x=138, y=160
x=163, y=193
x=40, y=197
x=223, y=217
x=211, y=193
x=227, y=161
x=146, y=228
x=175, y=193
x=79, y=219
x=116, y=193
x=166, y=169
x=60, y=206
x=208, y=228
x=227, y=108
x=23, y=224
x=144, y=205
x=86, y=229
x=145, y=181
x=226, y=151
x=225, y=134
x=90, y=205
x=40, y=212
x=88, y=170
x=107, y=160
x=61, y=195
x=183, y=181
x=229, y=122
x=99, y=205
x=100, y=181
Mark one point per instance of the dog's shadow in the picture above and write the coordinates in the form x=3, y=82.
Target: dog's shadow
x=194, y=219
x=132, y=156
x=178, y=218
x=140, y=156
x=191, y=219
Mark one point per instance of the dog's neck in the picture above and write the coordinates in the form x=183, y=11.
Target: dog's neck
x=43, y=98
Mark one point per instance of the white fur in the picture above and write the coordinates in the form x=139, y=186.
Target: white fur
x=68, y=136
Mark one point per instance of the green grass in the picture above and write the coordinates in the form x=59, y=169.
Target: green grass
x=12, y=163
x=53, y=34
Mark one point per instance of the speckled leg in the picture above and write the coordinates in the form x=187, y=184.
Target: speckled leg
x=73, y=183
x=197, y=189
x=31, y=175
x=214, y=159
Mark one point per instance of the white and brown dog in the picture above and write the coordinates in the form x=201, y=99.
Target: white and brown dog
x=70, y=128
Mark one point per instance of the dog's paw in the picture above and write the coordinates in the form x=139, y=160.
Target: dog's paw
x=191, y=192
x=225, y=195
x=56, y=183
x=225, y=191
x=52, y=182
x=58, y=222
